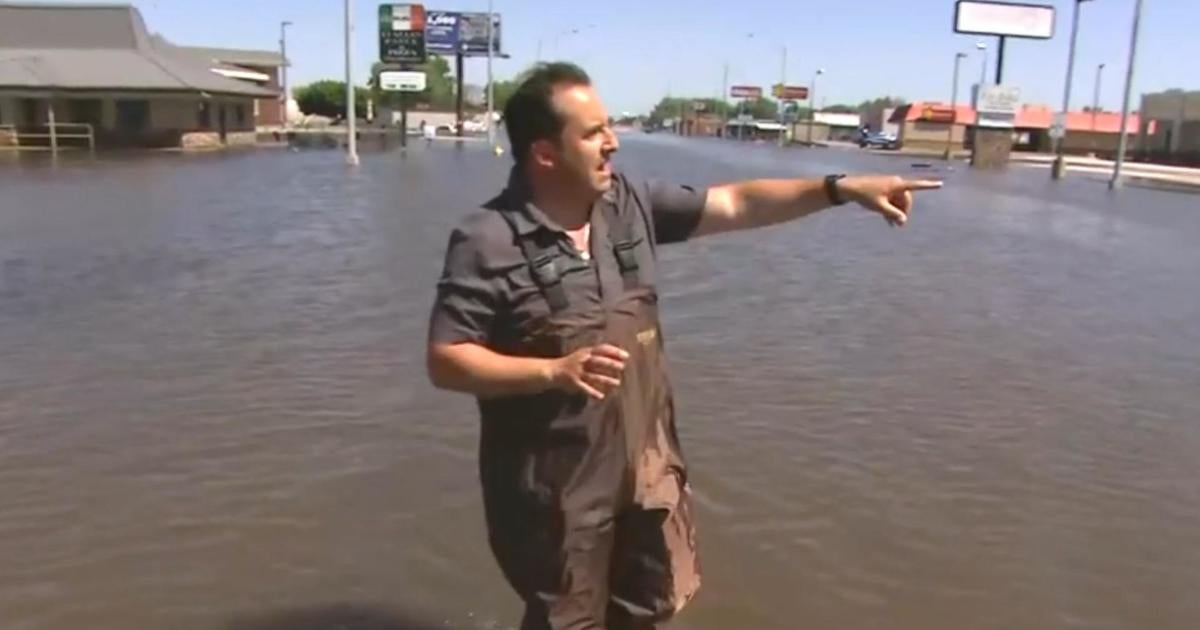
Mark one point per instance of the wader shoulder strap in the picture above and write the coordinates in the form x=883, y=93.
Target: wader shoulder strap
x=621, y=233
x=544, y=265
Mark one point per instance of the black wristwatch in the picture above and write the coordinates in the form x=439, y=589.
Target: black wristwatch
x=831, y=189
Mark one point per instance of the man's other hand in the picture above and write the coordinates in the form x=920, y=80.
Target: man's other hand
x=595, y=370
x=890, y=196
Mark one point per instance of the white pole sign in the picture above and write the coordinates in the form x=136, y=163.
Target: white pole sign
x=401, y=81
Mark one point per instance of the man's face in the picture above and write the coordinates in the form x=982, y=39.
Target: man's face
x=582, y=157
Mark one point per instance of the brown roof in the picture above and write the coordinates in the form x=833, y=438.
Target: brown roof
x=90, y=47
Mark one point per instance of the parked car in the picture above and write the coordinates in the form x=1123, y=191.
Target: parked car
x=879, y=140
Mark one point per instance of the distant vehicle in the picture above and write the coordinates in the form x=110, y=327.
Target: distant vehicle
x=474, y=126
x=879, y=140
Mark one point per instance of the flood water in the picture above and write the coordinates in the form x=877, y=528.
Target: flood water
x=214, y=413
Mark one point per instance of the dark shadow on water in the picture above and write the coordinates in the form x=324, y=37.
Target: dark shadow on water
x=334, y=617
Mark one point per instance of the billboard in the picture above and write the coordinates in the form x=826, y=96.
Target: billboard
x=745, y=91
x=402, y=33
x=790, y=92
x=451, y=32
x=979, y=17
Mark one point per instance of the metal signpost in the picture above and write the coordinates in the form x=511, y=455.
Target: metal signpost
x=402, y=43
x=403, y=81
x=992, y=133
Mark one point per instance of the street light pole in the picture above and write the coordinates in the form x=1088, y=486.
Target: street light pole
x=958, y=57
x=724, y=103
x=812, y=104
x=491, y=91
x=283, y=109
x=1122, y=142
x=779, y=98
x=982, y=47
x=1096, y=95
x=1060, y=166
x=351, y=138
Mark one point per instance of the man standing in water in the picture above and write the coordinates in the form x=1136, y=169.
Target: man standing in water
x=547, y=313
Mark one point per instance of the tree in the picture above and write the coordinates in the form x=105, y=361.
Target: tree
x=879, y=104
x=674, y=107
x=762, y=108
x=842, y=109
x=328, y=98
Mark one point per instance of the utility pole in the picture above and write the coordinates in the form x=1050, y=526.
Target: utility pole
x=351, y=118
x=958, y=57
x=1096, y=95
x=283, y=69
x=1060, y=165
x=1123, y=141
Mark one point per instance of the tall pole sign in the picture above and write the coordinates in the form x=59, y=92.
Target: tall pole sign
x=402, y=33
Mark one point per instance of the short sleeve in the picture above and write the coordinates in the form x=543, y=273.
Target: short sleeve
x=674, y=209
x=466, y=303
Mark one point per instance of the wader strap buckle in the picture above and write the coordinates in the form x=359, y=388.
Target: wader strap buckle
x=543, y=265
x=627, y=261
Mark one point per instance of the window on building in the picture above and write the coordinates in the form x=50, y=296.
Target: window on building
x=133, y=115
x=204, y=115
x=239, y=114
x=31, y=109
x=85, y=110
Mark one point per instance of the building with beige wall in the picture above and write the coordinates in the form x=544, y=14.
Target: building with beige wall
x=932, y=126
x=1172, y=126
x=94, y=68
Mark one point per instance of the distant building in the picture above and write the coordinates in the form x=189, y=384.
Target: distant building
x=930, y=125
x=754, y=130
x=97, y=67
x=1172, y=126
x=702, y=124
x=256, y=67
x=838, y=127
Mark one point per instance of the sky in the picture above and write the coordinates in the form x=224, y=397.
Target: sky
x=638, y=51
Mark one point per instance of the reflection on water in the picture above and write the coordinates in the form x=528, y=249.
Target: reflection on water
x=213, y=405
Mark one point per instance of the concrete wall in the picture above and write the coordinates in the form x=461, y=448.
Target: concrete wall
x=993, y=148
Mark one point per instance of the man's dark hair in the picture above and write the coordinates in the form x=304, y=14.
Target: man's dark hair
x=529, y=115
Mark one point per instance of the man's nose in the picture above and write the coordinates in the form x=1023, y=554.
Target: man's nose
x=611, y=143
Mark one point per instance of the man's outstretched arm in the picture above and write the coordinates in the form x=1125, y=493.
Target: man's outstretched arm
x=760, y=202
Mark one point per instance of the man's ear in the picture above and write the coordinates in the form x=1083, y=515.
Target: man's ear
x=544, y=153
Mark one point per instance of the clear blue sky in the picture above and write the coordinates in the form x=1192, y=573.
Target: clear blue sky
x=638, y=49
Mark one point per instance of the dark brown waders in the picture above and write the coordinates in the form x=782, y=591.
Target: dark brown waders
x=587, y=501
